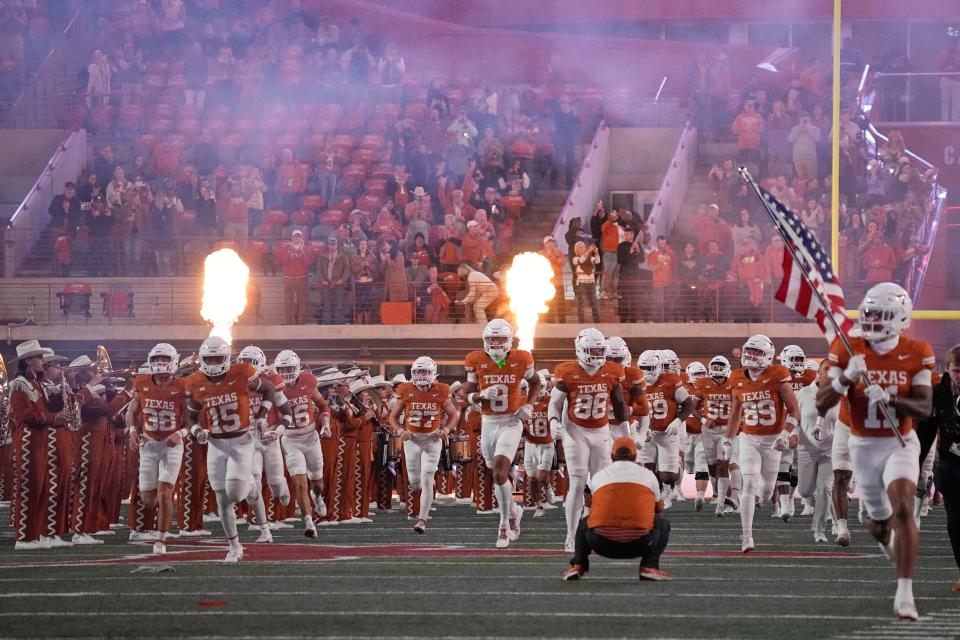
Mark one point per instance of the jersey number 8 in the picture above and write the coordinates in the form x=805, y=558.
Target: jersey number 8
x=591, y=406
x=500, y=401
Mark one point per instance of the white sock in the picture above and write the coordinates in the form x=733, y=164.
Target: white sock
x=904, y=590
x=259, y=510
x=785, y=503
x=747, y=506
x=427, y=481
x=163, y=536
x=736, y=483
x=227, y=517
x=722, y=485
x=573, y=505
x=504, y=493
x=842, y=526
x=700, y=495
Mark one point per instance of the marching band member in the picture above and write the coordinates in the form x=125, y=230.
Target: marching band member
x=33, y=424
x=331, y=448
x=351, y=422
x=222, y=392
x=813, y=453
x=761, y=393
x=423, y=402
x=62, y=459
x=497, y=371
x=365, y=448
x=587, y=387
x=300, y=440
x=94, y=452
x=157, y=410
x=267, y=455
x=888, y=384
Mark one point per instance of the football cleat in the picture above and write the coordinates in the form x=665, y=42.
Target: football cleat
x=265, y=536
x=514, y=532
x=650, y=573
x=320, y=506
x=843, y=538
x=807, y=508
x=147, y=536
x=309, y=529
x=820, y=536
x=211, y=517
x=861, y=511
x=573, y=572
x=667, y=502
x=503, y=539
x=196, y=533
x=698, y=504
x=421, y=526
x=105, y=532
x=906, y=610
x=82, y=538
x=721, y=510
x=888, y=550
x=548, y=505
x=235, y=554
x=570, y=545
x=159, y=548
x=746, y=544
x=280, y=525
x=776, y=511
x=539, y=512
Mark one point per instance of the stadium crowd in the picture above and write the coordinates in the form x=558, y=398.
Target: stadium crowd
x=312, y=148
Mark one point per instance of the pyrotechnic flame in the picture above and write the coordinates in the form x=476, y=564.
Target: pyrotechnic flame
x=529, y=288
x=225, y=278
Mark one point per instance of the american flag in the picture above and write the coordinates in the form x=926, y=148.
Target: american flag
x=797, y=291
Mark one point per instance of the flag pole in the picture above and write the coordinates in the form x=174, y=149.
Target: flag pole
x=788, y=243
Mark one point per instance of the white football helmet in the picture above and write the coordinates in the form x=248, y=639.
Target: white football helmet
x=670, y=361
x=423, y=373
x=696, y=371
x=287, y=364
x=719, y=367
x=497, y=338
x=649, y=362
x=758, y=352
x=163, y=350
x=544, y=389
x=618, y=351
x=590, y=348
x=214, y=356
x=885, y=312
x=253, y=355
x=793, y=358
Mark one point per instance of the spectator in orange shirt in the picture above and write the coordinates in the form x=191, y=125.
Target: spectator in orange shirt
x=711, y=227
x=661, y=261
x=879, y=260
x=166, y=158
x=232, y=208
x=773, y=260
x=474, y=246
x=611, y=235
x=748, y=128
x=750, y=277
x=553, y=253
x=291, y=180
x=296, y=259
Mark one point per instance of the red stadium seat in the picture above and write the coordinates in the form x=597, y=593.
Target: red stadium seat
x=375, y=187
x=131, y=117
x=416, y=111
x=160, y=126
x=388, y=110
x=75, y=300
x=117, y=303
x=371, y=141
x=302, y=217
x=368, y=203
x=288, y=141
x=343, y=203
x=332, y=217
x=326, y=125
x=332, y=111
x=344, y=141
x=177, y=81
x=244, y=124
x=383, y=171
x=146, y=142
x=275, y=218
x=313, y=201
x=102, y=116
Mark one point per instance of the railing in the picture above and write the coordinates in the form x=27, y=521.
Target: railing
x=669, y=204
x=176, y=301
x=916, y=96
x=588, y=186
x=29, y=220
x=937, y=198
x=47, y=94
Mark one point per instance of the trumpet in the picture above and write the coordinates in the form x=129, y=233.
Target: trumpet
x=6, y=435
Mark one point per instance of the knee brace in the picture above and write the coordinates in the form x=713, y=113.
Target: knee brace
x=794, y=478
x=701, y=475
x=783, y=477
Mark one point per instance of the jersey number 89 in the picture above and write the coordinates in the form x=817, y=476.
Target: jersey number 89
x=762, y=413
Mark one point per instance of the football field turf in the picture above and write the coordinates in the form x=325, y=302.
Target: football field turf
x=382, y=580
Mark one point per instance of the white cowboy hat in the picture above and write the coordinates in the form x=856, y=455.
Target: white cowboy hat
x=398, y=379
x=455, y=386
x=359, y=385
x=419, y=192
x=82, y=361
x=49, y=357
x=29, y=349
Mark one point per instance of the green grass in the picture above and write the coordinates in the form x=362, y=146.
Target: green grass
x=459, y=595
